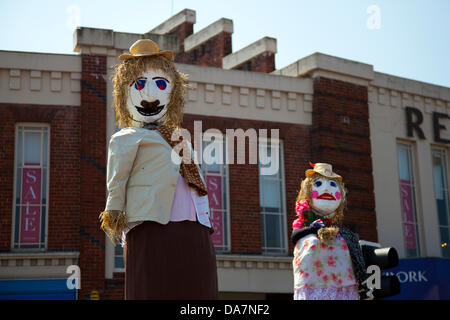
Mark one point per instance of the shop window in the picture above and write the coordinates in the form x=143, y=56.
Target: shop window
x=439, y=158
x=272, y=197
x=215, y=172
x=408, y=201
x=31, y=186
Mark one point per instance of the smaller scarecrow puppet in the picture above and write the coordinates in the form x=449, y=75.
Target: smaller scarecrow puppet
x=328, y=262
x=157, y=206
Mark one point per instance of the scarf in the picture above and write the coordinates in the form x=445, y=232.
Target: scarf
x=189, y=171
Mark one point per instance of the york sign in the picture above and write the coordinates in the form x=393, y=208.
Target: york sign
x=414, y=119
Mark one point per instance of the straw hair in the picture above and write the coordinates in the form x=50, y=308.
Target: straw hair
x=329, y=233
x=113, y=223
x=127, y=72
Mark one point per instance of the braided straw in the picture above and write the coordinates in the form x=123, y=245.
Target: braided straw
x=113, y=222
x=327, y=234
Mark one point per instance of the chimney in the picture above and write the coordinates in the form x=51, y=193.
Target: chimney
x=180, y=25
x=208, y=46
x=258, y=56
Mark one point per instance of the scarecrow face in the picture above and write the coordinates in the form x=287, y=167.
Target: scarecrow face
x=326, y=195
x=148, y=97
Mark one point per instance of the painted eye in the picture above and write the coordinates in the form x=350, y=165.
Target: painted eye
x=318, y=183
x=333, y=184
x=161, y=84
x=139, y=84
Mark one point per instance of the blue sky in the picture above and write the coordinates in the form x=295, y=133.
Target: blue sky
x=406, y=38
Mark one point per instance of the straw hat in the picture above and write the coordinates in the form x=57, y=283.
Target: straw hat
x=323, y=169
x=143, y=48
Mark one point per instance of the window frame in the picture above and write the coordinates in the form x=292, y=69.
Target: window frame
x=117, y=269
x=47, y=177
x=444, y=152
x=224, y=169
x=414, y=186
x=283, y=212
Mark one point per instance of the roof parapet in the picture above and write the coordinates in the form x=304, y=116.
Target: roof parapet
x=186, y=15
x=250, y=52
x=319, y=64
x=84, y=36
x=103, y=40
x=214, y=29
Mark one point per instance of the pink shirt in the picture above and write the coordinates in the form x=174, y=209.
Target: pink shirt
x=182, y=206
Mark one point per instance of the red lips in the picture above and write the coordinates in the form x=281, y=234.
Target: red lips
x=326, y=196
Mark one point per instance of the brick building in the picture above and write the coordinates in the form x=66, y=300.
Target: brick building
x=56, y=120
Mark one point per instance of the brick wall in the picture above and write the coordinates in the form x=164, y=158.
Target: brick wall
x=92, y=173
x=182, y=31
x=341, y=136
x=264, y=62
x=210, y=53
x=64, y=184
x=77, y=172
x=7, y=123
x=114, y=288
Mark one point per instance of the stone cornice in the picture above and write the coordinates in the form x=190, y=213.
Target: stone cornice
x=253, y=262
x=27, y=265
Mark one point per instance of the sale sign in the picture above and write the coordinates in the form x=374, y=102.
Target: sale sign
x=31, y=206
x=408, y=214
x=214, y=185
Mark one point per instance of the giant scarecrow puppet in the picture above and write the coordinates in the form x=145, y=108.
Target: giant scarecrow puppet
x=328, y=262
x=158, y=207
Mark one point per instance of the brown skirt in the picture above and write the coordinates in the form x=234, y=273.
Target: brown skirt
x=170, y=262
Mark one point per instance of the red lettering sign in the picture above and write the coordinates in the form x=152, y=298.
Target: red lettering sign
x=408, y=214
x=214, y=185
x=31, y=206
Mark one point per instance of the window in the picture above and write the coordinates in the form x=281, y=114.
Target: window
x=441, y=193
x=272, y=199
x=119, y=262
x=216, y=176
x=408, y=202
x=31, y=186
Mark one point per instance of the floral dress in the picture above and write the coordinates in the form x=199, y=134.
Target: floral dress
x=323, y=270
